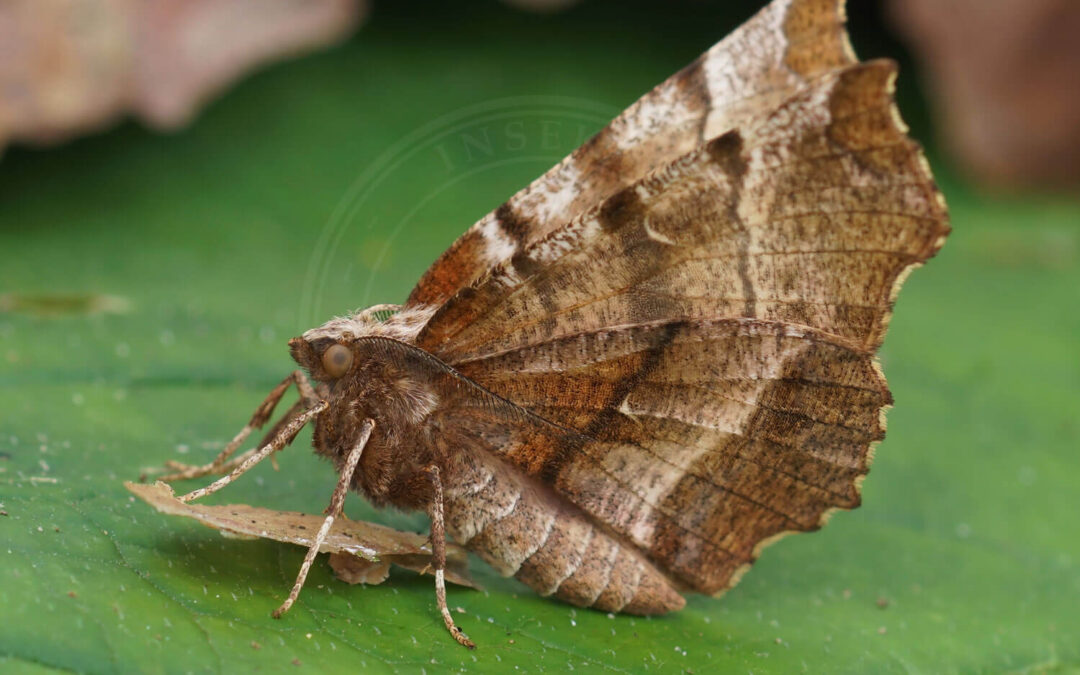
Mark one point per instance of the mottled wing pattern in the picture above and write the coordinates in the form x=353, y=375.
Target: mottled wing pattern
x=808, y=215
x=709, y=330
x=699, y=439
x=764, y=62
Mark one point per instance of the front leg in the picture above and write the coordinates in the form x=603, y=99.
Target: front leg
x=337, y=504
x=219, y=466
x=438, y=549
x=250, y=459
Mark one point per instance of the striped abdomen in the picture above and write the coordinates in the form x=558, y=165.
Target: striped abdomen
x=522, y=529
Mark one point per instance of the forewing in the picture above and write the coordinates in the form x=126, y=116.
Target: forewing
x=810, y=215
x=771, y=57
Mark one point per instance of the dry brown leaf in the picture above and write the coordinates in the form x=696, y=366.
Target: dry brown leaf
x=72, y=66
x=369, y=545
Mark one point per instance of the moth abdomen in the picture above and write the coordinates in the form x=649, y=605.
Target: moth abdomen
x=523, y=529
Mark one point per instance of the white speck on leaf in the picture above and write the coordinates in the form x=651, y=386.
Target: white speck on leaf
x=1027, y=475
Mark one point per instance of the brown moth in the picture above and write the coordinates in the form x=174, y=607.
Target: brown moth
x=624, y=382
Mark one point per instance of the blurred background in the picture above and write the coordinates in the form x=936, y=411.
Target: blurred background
x=185, y=184
x=1001, y=75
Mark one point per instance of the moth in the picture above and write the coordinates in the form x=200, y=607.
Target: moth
x=625, y=381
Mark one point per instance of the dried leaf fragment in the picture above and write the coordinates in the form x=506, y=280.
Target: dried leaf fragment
x=355, y=570
x=356, y=546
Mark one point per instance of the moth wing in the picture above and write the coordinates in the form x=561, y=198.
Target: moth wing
x=776, y=53
x=709, y=330
x=811, y=214
x=697, y=440
x=693, y=441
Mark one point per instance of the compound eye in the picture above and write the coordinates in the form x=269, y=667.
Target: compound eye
x=336, y=360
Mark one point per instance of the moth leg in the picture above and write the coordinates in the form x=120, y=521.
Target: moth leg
x=297, y=409
x=308, y=398
x=261, y=415
x=337, y=502
x=280, y=441
x=438, y=548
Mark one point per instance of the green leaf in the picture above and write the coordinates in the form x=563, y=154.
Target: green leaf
x=331, y=183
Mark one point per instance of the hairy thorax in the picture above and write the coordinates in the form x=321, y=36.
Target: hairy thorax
x=391, y=468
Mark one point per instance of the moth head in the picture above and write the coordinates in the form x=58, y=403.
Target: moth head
x=326, y=359
x=363, y=373
x=331, y=351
